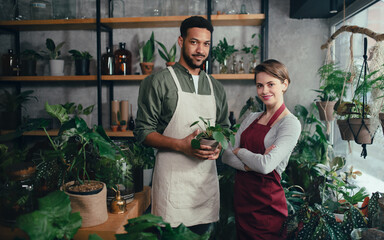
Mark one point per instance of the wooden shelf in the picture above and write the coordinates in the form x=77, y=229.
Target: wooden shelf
x=175, y=21
x=108, y=78
x=246, y=76
x=48, y=25
x=128, y=22
x=48, y=78
x=54, y=132
x=123, y=77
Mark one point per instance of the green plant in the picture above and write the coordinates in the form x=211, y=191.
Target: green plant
x=77, y=55
x=164, y=54
x=54, y=50
x=140, y=155
x=72, y=108
x=253, y=48
x=29, y=54
x=152, y=227
x=317, y=222
x=223, y=51
x=252, y=105
x=77, y=148
x=221, y=134
x=11, y=102
x=332, y=82
x=147, y=50
x=311, y=149
x=53, y=219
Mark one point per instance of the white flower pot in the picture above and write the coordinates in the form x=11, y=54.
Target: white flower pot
x=56, y=67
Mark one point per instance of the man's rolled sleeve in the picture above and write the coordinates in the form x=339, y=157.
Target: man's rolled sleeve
x=148, y=109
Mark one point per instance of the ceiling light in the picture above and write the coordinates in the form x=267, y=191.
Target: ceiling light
x=332, y=6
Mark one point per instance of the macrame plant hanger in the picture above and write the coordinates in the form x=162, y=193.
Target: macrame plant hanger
x=363, y=126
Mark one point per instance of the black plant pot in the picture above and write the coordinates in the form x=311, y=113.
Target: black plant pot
x=137, y=176
x=28, y=67
x=82, y=67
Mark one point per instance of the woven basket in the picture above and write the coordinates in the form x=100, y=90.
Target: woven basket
x=92, y=208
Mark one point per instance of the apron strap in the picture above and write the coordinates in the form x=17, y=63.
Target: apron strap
x=276, y=115
x=176, y=80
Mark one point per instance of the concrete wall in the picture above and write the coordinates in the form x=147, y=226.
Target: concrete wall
x=294, y=42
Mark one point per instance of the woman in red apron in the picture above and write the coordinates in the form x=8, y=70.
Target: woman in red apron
x=263, y=145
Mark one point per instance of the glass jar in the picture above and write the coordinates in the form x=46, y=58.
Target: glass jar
x=107, y=62
x=86, y=9
x=64, y=9
x=118, y=8
x=123, y=61
x=41, y=9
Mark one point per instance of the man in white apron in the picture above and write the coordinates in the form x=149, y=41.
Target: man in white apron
x=185, y=186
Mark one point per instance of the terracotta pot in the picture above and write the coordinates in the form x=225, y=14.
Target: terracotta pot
x=345, y=131
x=170, y=64
x=146, y=67
x=123, y=128
x=114, y=128
x=326, y=110
x=361, y=131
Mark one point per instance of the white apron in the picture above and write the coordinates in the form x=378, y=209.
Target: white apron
x=186, y=189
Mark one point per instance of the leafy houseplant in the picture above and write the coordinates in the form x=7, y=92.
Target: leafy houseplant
x=75, y=153
x=10, y=107
x=53, y=219
x=140, y=157
x=146, y=53
x=149, y=226
x=82, y=60
x=332, y=87
x=73, y=109
x=252, y=49
x=219, y=134
x=170, y=56
x=56, y=65
x=28, y=62
x=222, y=52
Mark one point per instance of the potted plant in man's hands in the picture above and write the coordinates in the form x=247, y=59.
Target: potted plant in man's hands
x=221, y=53
x=56, y=65
x=146, y=53
x=82, y=60
x=170, y=56
x=29, y=58
x=213, y=135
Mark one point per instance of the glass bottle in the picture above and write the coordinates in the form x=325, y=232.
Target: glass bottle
x=234, y=66
x=241, y=67
x=118, y=8
x=9, y=62
x=123, y=61
x=41, y=9
x=107, y=62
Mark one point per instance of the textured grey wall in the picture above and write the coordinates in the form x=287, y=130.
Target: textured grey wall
x=294, y=42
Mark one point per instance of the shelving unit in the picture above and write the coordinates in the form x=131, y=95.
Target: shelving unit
x=108, y=24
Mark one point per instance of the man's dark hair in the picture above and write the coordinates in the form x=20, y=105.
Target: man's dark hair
x=195, y=21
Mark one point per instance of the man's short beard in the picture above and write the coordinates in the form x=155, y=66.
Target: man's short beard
x=189, y=61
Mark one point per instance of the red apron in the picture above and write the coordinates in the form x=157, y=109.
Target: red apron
x=260, y=204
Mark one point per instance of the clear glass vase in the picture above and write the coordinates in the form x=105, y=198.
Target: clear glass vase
x=223, y=68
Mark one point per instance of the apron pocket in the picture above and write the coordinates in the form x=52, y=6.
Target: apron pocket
x=191, y=189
